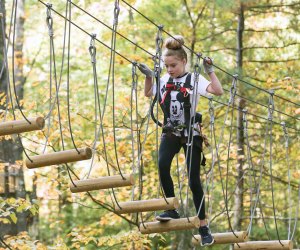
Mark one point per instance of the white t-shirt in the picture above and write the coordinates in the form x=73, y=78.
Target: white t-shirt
x=176, y=103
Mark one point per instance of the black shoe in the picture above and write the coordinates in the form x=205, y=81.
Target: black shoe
x=168, y=215
x=206, y=237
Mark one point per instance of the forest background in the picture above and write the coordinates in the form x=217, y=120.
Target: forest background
x=258, y=173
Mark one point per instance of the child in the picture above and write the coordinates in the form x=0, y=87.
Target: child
x=177, y=100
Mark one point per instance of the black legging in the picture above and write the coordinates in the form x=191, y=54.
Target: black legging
x=169, y=146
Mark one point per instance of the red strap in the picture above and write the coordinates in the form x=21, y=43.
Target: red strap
x=170, y=87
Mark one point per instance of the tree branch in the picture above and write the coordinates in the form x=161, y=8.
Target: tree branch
x=273, y=61
x=273, y=6
x=272, y=47
x=216, y=34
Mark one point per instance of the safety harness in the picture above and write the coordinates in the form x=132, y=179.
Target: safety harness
x=165, y=102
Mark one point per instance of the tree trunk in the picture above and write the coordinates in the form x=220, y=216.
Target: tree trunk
x=11, y=150
x=33, y=225
x=238, y=201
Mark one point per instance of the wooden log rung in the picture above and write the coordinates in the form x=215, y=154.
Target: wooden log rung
x=265, y=245
x=21, y=126
x=146, y=205
x=224, y=238
x=102, y=183
x=59, y=158
x=172, y=225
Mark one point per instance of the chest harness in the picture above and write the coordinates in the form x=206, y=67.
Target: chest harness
x=165, y=102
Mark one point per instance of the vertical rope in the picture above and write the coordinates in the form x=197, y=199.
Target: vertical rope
x=270, y=118
x=212, y=128
x=190, y=131
x=93, y=52
x=13, y=66
x=115, y=25
x=249, y=159
x=157, y=71
x=68, y=80
x=286, y=145
x=230, y=102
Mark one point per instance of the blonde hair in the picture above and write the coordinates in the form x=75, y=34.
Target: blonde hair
x=174, y=47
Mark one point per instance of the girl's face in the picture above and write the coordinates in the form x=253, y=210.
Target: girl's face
x=175, y=66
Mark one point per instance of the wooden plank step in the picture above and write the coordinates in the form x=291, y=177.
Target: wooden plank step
x=59, y=157
x=265, y=245
x=224, y=238
x=21, y=126
x=102, y=183
x=172, y=225
x=147, y=205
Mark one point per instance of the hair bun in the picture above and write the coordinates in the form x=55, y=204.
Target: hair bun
x=176, y=43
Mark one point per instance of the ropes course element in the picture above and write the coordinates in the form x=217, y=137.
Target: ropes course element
x=59, y=158
x=88, y=184
x=268, y=245
x=21, y=126
x=233, y=107
x=147, y=205
x=172, y=225
x=224, y=238
x=102, y=183
x=224, y=71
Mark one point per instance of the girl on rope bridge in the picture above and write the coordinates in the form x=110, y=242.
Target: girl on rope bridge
x=176, y=90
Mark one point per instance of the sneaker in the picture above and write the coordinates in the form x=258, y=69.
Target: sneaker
x=168, y=215
x=206, y=237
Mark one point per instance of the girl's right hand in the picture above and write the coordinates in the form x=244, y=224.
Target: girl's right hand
x=145, y=70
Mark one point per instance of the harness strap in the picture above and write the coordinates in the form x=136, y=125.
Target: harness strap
x=170, y=87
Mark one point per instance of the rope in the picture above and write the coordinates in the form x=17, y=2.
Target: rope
x=125, y=58
x=68, y=82
x=114, y=40
x=124, y=37
x=13, y=66
x=263, y=105
x=233, y=91
x=286, y=137
x=84, y=31
x=5, y=63
x=157, y=71
x=114, y=50
x=4, y=243
x=212, y=127
x=5, y=49
x=270, y=118
x=217, y=145
x=190, y=141
x=93, y=52
x=260, y=117
x=231, y=75
x=249, y=159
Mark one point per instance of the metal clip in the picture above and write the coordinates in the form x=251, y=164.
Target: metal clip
x=116, y=12
x=49, y=20
x=271, y=105
x=233, y=89
x=92, y=48
x=134, y=75
x=245, y=122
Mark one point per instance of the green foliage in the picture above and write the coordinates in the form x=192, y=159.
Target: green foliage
x=9, y=207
